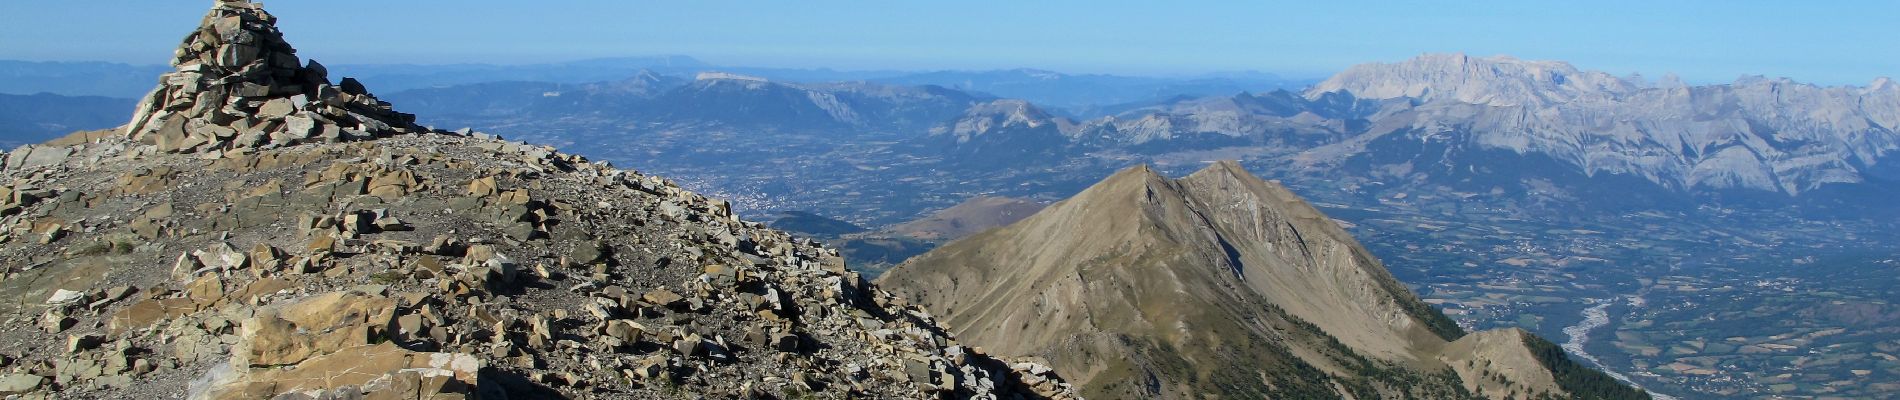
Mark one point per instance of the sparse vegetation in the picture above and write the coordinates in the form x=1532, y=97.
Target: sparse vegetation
x=1583, y=383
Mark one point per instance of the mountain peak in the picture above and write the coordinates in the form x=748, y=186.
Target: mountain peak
x=1883, y=84
x=1496, y=80
x=1132, y=178
x=643, y=75
x=714, y=76
x=996, y=115
x=238, y=86
x=1220, y=278
x=1224, y=167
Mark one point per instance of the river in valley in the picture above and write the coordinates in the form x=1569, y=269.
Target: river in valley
x=1595, y=317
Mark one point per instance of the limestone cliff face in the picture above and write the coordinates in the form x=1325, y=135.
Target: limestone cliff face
x=1497, y=81
x=1216, y=283
x=1754, y=134
x=985, y=118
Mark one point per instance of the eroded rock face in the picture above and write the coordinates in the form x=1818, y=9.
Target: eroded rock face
x=378, y=371
x=312, y=327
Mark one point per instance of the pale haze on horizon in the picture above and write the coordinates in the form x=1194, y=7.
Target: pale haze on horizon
x=1842, y=42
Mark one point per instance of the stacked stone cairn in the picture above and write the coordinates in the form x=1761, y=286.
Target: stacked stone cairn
x=239, y=86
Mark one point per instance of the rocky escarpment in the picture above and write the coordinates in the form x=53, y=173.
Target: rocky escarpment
x=246, y=259
x=1755, y=134
x=1497, y=81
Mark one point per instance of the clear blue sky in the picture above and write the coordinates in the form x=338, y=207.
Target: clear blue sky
x=1829, y=42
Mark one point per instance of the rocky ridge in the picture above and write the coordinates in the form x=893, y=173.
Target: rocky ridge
x=217, y=249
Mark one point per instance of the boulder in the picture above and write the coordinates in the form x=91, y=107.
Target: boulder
x=587, y=253
x=382, y=371
x=312, y=327
x=65, y=297
x=37, y=156
x=275, y=109
x=626, y=331
x=15, y=384
x=663, y=298
x=483, y=187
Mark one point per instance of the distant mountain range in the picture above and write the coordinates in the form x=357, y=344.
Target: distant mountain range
x=1087, y=93
x=1543, y=133
x=720, y=100
x=1760, y=134
x=1484, y=124
x=42, y=117
x=1093, y=94
x=79, y=78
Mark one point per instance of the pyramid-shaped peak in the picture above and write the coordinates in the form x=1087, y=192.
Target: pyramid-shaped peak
x=1224, y=179
x=1883, y=83
x=1127, y=180
x=1217, y=177
x=1130, y=195
x=1225, y=167
x=239, y=86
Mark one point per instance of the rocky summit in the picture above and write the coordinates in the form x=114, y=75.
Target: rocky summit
x=258, y=232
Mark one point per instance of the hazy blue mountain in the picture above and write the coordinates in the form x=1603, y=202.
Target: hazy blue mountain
x=712, y=100
x=79, y=78
x=41, y=117
x=132, y=81
x=399, y=77
x=522, y=98
x=1082, y=93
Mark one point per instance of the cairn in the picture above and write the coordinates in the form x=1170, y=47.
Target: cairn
x=239, y=86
